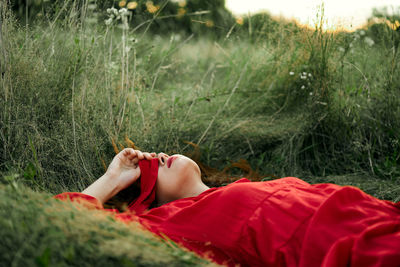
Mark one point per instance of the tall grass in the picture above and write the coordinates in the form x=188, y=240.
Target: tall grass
x=273, y=102
x=300, y=102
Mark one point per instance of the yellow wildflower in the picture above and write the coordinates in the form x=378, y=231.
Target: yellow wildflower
x=394, y=25
x=181, y=12
x=209, y=23
x=239, y=20
x=151, y=7
x=132, y=5
x=122, y=3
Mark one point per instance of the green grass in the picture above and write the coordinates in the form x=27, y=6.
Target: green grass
x=37, y=230
x=68, y=89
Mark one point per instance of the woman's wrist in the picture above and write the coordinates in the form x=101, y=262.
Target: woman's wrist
x=103, y=188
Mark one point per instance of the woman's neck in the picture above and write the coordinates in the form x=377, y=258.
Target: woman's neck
x=187, y=191
x=195, y=190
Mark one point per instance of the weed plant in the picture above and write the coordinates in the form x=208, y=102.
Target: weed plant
x=290, y=101
x=302, y=102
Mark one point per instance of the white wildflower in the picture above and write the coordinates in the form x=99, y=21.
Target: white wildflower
x=369, y=41
x=362, y=32
x=112, y=11
x=115, y=11
x=311, y=93
x=291, y=73
x=108, y=21
x=124, y=13
x=303, y=87
x=310, y=75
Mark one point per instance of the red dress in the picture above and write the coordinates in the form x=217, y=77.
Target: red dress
x=285, y=222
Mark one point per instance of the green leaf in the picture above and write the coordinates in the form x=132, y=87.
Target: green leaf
x=30, y=171
x=44, y=259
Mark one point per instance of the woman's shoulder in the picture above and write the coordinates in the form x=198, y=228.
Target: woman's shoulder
x=279, y=182
x=245, y=190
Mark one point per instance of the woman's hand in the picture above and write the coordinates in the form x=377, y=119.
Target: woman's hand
x=121, y=173
x=162, y=158
x=125, y=166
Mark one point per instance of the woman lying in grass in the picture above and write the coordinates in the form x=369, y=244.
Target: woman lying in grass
x=284, y=222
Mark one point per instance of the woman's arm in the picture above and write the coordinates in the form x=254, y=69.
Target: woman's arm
x=121, y=173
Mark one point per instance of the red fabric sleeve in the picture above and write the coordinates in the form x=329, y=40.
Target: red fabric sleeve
x=86, y=200
x=93, y=203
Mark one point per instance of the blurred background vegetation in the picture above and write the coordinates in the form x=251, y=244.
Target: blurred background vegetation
x=255, y=96
x=159, y=16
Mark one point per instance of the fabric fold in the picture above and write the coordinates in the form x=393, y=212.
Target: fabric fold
x=148, y=179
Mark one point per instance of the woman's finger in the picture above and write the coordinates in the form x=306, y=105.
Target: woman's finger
x=125, y=152
x=160, y=161
x=147, y=155
x=162, y=158
x=135, y=161
x=130, y=153
x=139, y=154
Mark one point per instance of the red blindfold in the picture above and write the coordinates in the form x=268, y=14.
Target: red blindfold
x=148, y=179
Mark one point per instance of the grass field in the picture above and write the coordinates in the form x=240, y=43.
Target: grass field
x=318, y=105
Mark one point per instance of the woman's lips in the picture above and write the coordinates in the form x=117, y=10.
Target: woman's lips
x=169, y=161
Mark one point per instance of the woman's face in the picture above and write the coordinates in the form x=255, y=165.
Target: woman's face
x=176, y=175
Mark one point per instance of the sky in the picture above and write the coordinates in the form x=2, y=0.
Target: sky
x=347, y=14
